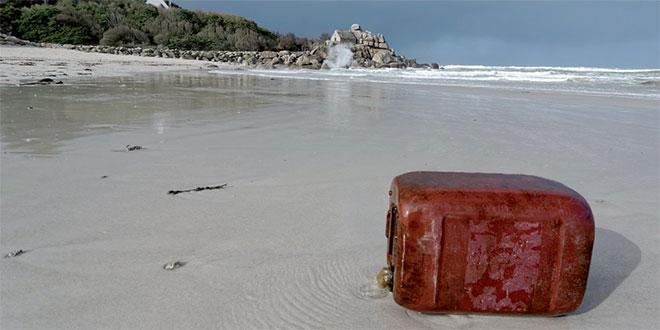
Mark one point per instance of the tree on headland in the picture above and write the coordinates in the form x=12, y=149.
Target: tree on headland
x=136, y=23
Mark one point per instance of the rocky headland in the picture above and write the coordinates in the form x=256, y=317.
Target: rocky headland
x=346, y=48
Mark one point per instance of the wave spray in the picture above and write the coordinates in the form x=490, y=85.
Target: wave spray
x=339, y=56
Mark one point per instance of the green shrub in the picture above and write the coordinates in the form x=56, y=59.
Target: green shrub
x=213, y=20
x=188, y=16
x=246, y=39
x=97, y=15
x=27, y=3
x=124, y=36
x=35, y=24
x=234, y=23
x=41, y=24
x=74, y=17
x=194, y=42
x=114, y=22
x=168, y=25
x=217, y=34
x=8, y=15
x=138, y=13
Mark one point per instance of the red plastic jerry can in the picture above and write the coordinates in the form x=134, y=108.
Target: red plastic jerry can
x=487, y=243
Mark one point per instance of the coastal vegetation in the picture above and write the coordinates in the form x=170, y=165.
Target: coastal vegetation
x=136, y=23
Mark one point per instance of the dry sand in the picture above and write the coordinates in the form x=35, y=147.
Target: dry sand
x=21, y=64
x=300, y=226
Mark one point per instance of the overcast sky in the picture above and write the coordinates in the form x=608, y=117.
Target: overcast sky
x=530, y=33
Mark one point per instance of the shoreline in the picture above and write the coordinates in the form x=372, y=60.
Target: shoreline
x=23, y=64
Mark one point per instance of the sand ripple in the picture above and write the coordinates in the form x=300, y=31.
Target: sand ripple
x=318, y=293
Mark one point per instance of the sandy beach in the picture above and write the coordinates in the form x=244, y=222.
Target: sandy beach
x=300, y=226
x=24, y=64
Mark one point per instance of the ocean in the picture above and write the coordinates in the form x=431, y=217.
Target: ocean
x=616, y=82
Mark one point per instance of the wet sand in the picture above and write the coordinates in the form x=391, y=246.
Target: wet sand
x=300, y=226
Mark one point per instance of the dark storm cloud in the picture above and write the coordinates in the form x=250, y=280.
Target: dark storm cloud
x=609, y=34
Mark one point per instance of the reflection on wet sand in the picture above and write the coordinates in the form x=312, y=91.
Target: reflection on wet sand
x=37, y=120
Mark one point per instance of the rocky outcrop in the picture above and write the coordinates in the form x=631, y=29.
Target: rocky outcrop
x=11, y=40
x=371, y=50
x=356, y=36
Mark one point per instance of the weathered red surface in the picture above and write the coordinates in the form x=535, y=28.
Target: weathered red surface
x=488, y=243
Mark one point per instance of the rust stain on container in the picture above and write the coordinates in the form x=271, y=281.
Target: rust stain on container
x=487, y=243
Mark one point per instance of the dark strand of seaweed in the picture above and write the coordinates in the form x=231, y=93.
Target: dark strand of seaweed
x=175, y=192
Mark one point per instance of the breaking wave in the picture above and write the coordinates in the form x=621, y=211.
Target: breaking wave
x=626, y=82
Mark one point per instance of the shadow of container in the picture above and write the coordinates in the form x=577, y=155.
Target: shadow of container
x=614, y=258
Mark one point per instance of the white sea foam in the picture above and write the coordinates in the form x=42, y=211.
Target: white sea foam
x=339, y=56
x=527, y=68
x=561, y=79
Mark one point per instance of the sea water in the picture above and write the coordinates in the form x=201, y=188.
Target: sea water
x=617, y=82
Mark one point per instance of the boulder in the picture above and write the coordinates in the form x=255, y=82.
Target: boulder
x=356, y=27
x=398, y=65
x=276, y=60
x=435, y=66
x=266, y=55
x=304, y=60
x=309, y=62
x=382, y=57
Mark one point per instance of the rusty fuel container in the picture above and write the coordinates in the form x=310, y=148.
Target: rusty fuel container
x=487, y=243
